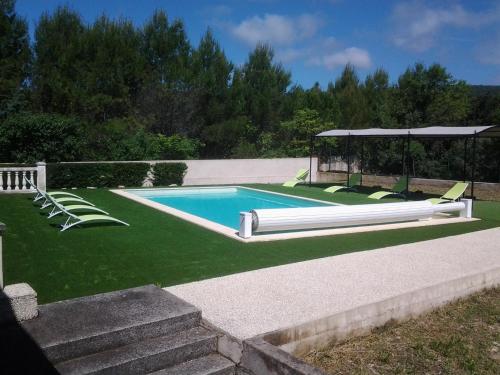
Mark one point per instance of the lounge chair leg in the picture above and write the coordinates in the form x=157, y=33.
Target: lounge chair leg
x=46, y=204
x=54, y=212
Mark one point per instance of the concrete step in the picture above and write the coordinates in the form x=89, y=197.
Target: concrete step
x=145, y=356
x=79, y=327
x=212, y=364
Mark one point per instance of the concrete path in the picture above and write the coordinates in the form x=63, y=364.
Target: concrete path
x=257, y=302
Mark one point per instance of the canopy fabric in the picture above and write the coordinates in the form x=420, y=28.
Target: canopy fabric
x=429, y=132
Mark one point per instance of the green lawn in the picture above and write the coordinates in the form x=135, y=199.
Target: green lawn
x=162, y=249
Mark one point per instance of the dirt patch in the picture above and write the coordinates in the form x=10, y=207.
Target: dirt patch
x=459, y=338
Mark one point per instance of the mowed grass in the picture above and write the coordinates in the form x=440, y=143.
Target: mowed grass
x=460, y=338
x=164, y=250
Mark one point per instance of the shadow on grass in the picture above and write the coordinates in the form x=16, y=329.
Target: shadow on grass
x=88, y=225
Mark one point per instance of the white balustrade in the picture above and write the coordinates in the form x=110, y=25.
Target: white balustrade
x=13, y=179
x=16, y=180
x=23, y=181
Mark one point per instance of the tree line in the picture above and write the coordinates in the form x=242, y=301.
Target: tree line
x=111, y=90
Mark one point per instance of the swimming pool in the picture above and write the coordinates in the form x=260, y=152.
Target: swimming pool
x=222, y=205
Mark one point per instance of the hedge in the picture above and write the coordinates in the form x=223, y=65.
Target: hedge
x=169, y=173
x=96, y=174
x=112, y=174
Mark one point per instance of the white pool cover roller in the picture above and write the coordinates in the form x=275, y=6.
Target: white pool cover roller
x=282, y=219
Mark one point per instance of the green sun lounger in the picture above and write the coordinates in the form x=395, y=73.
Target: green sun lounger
x=42, y=194
x=49, y=201
x=451, y=195
x=399, y=189
x=58, y=208
x=354, y=180
x=300, y=177
x=76, y=207
x=74, y=220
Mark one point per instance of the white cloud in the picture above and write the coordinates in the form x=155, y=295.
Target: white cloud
x=287, y=55
x=296, y=39
x=276, y=29
x=417, y=26
x=311, y=53
x=357, y=57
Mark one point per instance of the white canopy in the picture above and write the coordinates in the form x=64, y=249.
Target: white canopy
x=429, y=132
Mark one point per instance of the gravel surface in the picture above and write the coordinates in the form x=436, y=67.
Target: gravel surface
x=257, y=302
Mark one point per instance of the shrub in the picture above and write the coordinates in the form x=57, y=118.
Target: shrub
x=175, y=147
x=96, y=174
x=169, y=173
x=28, y=137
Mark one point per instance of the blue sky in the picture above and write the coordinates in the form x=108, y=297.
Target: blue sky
x=315, y=38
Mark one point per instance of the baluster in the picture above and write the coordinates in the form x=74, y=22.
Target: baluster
x=1, y=181
x=23, y=181
x=32, y=179
x=8, y=181
x=16, y=180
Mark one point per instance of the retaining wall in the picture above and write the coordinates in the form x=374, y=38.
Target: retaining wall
x=482, y=190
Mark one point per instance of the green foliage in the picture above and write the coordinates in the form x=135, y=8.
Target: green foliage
x=169, y=173
x=96, y=174
x=15, y=58
x=166, y=49
x=176, y=147
x=264, y=84
x=114, y=68
x=135, y=93
x=58, y=79
x=296, y=133
x=118, y=139
x=244, y=150
x=28, y=138
x=430, y=95
x=220, y=139
x=212, y=73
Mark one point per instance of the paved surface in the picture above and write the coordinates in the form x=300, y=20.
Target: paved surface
x=257, y=302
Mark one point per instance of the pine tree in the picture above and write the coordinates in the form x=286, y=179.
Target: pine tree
x=114, y=69
x=59, y=62
x=14, y=59
x=264, y=87
x=212, y=73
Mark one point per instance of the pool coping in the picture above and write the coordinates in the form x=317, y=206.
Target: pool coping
x=438, y=219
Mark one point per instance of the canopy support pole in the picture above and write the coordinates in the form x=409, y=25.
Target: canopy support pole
x=403, y=161
x=407, y=166
x=362, y=160
x=311, y=145
x=348, y=159
x=473, y=177
x=329, y=157
x=465, y=160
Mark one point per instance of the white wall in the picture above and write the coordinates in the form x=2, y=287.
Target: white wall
x=236, y=171
x=239, y=171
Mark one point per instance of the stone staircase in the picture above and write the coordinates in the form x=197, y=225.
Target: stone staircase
x=143, y=330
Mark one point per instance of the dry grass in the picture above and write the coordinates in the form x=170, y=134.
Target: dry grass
x=460, y=338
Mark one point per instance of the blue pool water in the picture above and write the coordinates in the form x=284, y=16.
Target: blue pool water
x=222, y=205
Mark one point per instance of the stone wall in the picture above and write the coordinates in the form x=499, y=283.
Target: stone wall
x=482, y=190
